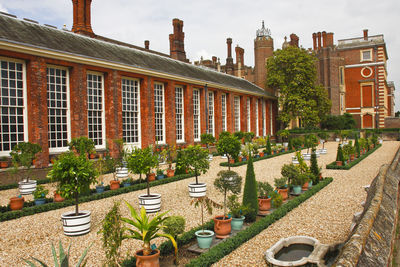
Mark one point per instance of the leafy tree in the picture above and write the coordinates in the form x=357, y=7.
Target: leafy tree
x=181, y=163
x=23, y=154
x=229, y=145
x=228, y=181
x=293, y=71
x=207, y=139
x=250, y=192
x=338, y=122
x=197, y=160
x=82, y=145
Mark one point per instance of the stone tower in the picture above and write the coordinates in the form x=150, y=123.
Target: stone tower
x=263, y=49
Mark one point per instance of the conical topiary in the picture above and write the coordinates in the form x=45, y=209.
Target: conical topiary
x=250, y=192
x=339, y=155
x=357, y=145
x=314, y=167
x=268, y=148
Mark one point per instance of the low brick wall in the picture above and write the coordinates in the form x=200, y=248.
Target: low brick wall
x=392, y=122
x=370, y=243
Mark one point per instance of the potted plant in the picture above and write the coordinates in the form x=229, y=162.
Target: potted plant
x=324, y=139
x=298, y=181
x=254, y=151
x=204, y=237
x=118, y=165
x=40, y=195
x=197, y=162
x=239, y=135
x=127, y=182
x=207, y=140
x=160, y=174
x=244, y=152
x=230, y=146
x=174, y=226
x=248, y=137
x=100, y=171
x=284, y=134
x=281, y=185
x=3, y=162
x=145, y=230
x=74, y=174
x=57, y=195
x=276, y=200
x=227, y=181
x=82, y=145
x=22, y=156
x=170, y=155
x=17, y=203
x=237, y=211
x=339, y=156
x=141, y=161
x=264, y=197
x=268, y=148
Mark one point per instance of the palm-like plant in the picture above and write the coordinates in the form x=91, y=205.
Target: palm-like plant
x=147, y=229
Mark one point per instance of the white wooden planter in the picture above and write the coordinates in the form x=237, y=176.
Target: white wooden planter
x=151, y=203
x=26, y=188
x=122, y=173
x=337, y=139
x=306, y=156
x=210, y=157
x=295, y=160
x=197, y=190
x=76, y=225
x=323, y=151
x=285, y=144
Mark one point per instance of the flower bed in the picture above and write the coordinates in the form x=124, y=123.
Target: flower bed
x=216, y=253
x=30, y=208
x=333, y=165
x=236, y=164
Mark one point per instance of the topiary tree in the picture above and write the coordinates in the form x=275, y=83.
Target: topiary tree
x=181, y=163
x=250, y=192
x=268, y=148
x=324, y=136
x=315, y=170
x=339, y=155
x=239, y=135
x=228, y=181
x=229, y=145
x=248, y=136
x=197, y=160
x=207, y=139
x=82, y=145
x=23, y=155
x=357, y=145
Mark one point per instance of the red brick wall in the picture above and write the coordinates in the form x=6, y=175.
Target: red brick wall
x=353, y=96
x=367, y=95
x=367, y=121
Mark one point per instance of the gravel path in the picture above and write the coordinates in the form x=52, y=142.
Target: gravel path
x=32, y=235
x=326, y=216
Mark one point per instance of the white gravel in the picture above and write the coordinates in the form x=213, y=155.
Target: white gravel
x=326, y=216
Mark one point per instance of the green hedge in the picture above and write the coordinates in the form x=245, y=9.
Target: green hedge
x=15, y=185
x=236, y=164
x=224, y=248
x=333, y=165
x=30, y=209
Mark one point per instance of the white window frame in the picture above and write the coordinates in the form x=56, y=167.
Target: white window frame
x=362, y=55
x=103, y=117
x=248, y=116
x=257, y=120
x=264, y=118
x=25, y=102
x=182, y=114
x=130, y=145
x=211, y=116
x=68, y=113
x=162, y=88
x=196, y=115
x=236, y=105
x=271, y=122
x=223, y=112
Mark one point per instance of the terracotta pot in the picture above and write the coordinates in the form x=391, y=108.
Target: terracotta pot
x=3, y=164
x=114, y=185
x=286, y=149
x=170, y=173
x=92, y=156
x=320, y=176
x=152, y=177
x=261, y=154
x=231, y=161
x=222, y=228
x=147, y=261
x=305, y=187
x=240, y=159
x=16, y=203
x=264, y=205
x=283, y=193
x=352, y=157
x=339, y=163
x=57, y=197
x=272, y=152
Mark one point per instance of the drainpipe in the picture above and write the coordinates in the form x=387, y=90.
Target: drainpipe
x=376, y=90
x=206, y=107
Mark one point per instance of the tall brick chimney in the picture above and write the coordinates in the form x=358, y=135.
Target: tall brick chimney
x=319, y=40
x=366, y=34
x=229, y=59
x=239, y=55
x=329, y=39
x=176, y=41
x=146, y=44
x=324, y=39
x=81, y=23
x=314, y=37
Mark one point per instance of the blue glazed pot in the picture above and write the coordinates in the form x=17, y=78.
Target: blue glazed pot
x=99, y=189
x=126, y=184
x=244, y=159
x=297, y=189
x=257, y=156
x=237, y=223
x=159, y=177
x=40, y=201
x=204, y=241
x=310, y=184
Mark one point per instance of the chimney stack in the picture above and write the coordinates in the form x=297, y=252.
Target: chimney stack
x=239, y=55
x=229, y=59
x=324, y=39
x=319, y=40
x=229, y=42
x=314, y=37
x=146, y=44
x=366, y=34
x=176, y=41
x=329, y=39
x=81, y=14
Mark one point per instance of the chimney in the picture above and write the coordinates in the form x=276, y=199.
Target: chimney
x=229, y=42
x=239, y=55
x=324, y=39
x=319, y=40
x=314, y=37
x=229, y=59
x=329, y=39
x=366, y=34
x=214, y=60
x=81, y=14
x=146, y=44
x=176, y=41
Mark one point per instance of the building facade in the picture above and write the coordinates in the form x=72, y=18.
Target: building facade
x=58, y=84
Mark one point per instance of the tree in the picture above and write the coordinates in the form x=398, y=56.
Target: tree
x=229, y=145
x=250, y=192
x=197, y=160
x=292, y=71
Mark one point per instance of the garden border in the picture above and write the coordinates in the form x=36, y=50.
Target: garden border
x=216, y=253
x=237, y=164
x=332, y=165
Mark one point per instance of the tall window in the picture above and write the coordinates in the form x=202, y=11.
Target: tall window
x=159, y=112
x=237, y=113
x=264, y=118
x=12, y=105
x=223, y=111
x=179, y=111
x=271, y=123
x=211, y=113
x=257, y=122
x=131, y=112
x=196, y=115
x=248, y=115
x=95, y=103
x=341, y=75
x=58, y=109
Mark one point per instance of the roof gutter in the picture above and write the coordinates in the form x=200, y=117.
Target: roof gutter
x=76, y=58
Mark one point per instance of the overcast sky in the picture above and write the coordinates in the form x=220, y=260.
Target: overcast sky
x=208, y=23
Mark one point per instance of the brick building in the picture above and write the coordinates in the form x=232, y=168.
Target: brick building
x=58, y=84
x=354, y=73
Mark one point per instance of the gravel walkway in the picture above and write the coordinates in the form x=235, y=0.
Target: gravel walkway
x=326, y=216
x=32, y=235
